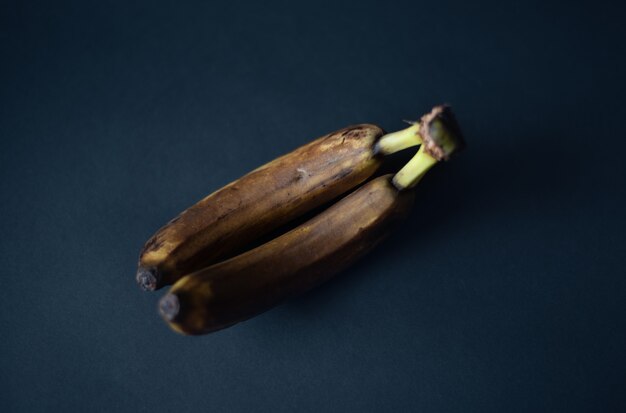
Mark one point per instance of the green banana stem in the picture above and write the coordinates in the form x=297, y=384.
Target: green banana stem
x=397, y=141
x=414, y=170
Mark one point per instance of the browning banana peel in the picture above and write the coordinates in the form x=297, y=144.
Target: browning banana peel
x=265, y=199
x=257, y=280
x=246, y=285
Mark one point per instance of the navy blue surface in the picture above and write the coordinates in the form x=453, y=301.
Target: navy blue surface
x=504, y=291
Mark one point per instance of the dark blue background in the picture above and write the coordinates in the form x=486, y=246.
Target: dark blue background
x=505, y=290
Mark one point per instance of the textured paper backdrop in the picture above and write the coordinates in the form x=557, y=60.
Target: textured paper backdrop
x=504, y=291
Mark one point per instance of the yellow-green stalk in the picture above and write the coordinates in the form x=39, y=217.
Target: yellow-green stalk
x=414, y=170
x=397, y=141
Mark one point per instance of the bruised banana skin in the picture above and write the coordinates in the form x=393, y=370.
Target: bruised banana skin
x=259, y=202
x=253, y=282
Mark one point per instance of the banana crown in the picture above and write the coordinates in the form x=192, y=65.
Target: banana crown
x=441, y=133
x=440, y=137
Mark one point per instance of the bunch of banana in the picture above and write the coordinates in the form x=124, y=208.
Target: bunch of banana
x=218, y=296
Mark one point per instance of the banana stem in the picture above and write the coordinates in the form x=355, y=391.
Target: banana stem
x=397, y=141
x=414, y=170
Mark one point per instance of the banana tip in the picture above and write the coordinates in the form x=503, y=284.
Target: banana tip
x=147, y=279
x=169, y=306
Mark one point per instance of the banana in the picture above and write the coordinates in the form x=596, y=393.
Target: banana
x=251, y=283
x=257, y=280
x=265, y=199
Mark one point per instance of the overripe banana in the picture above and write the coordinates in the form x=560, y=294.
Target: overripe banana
x=265, y=199
x=255, y=281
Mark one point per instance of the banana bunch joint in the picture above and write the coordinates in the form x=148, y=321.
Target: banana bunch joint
x=217, y=283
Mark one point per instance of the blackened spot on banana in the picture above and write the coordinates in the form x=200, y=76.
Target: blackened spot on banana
x=147, y=278
x=353, y=132
x=358, y=133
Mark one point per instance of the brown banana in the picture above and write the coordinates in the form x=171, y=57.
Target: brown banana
x=265, y=199
x=255, y=281
x=251, y=283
